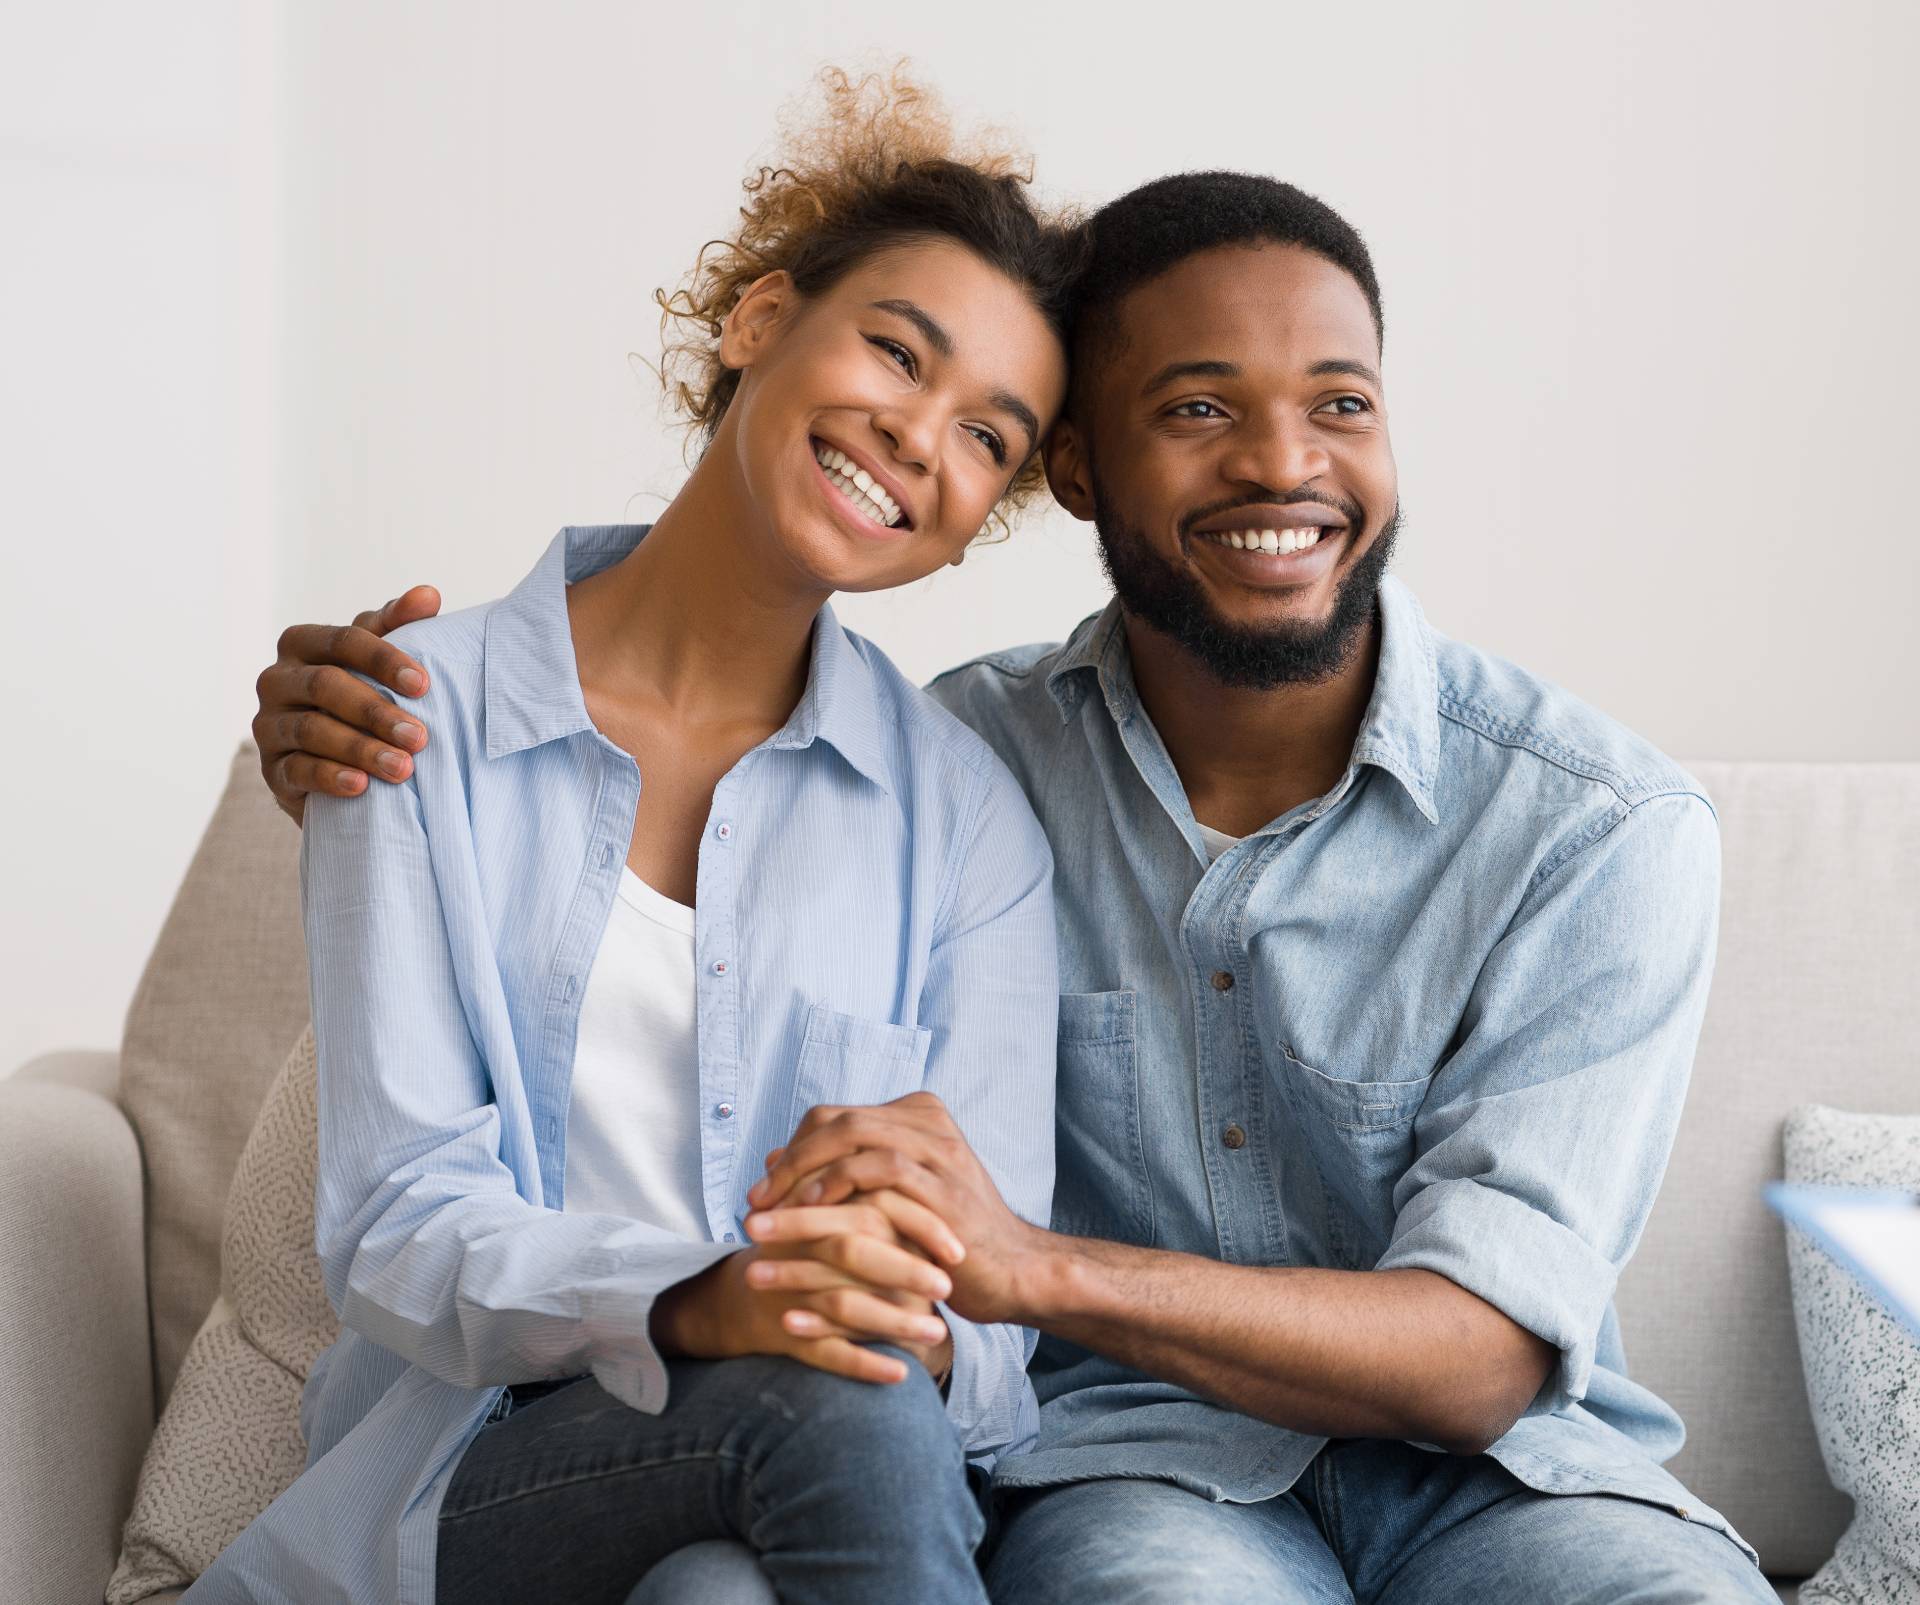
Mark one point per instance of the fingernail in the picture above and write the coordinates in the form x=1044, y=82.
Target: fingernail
x=412, y=681
x=759, y=1275
x=939, y=1287
x=407, y=734
x=351, y=782
x=956, y=1250
x=756, y=1222
x=392, y=763
x=933, y=1331
x=757, y=1191
x=801, y=1321
x=811, y=1192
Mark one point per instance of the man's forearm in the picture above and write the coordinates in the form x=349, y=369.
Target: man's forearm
x=1389, y=1354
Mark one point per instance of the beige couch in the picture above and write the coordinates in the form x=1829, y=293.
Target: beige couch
x=114, y=1167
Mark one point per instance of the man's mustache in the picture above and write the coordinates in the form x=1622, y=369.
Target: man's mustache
x=1351, y=513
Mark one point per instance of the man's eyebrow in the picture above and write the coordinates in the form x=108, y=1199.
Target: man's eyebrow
x=1344, y=365
x=918, y=316
x=1209, y=369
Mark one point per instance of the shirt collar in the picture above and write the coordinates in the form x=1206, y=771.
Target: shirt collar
x=532, y=680
x=1401, y=730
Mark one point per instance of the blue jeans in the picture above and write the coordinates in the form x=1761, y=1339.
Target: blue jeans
x=848, y=1493
x=1370, y=1522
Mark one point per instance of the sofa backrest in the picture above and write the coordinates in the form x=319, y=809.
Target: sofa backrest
x=1814, y=1001
x=222, y=1000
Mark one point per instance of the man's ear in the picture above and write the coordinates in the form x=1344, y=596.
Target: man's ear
x=1069, y=468
x=756, y=317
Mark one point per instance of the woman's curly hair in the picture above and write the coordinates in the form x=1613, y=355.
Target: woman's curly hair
x=881, y=167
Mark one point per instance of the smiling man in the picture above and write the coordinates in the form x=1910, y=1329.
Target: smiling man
x=1382, y=961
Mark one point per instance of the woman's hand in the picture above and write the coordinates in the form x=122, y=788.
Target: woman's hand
x=818, y=1298
x=318, y=728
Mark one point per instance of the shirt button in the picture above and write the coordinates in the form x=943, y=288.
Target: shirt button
x=723, y=1110
x=729, y=1238
x=719, y=966
x=606, y=854
x=1223, y=980
x=724, y=831
x=1234, y=1137
x=573, y=986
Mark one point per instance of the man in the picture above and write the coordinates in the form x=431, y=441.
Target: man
x=1382, y=964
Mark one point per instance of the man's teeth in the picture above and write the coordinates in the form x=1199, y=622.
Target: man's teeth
x=857, y=485
x=1279, y=541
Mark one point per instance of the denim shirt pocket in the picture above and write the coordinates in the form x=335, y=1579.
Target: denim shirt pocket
x=847, y=1059
x=1100, y=1185
x=1361, y=1136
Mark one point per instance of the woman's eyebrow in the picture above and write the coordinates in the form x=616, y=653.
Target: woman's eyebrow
x=942, y=342
x=922, y=320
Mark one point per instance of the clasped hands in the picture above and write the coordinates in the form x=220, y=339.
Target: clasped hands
x=863, y=1221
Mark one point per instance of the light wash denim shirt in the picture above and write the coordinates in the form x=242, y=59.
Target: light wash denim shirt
x=1442, y=1016
x=874, y=916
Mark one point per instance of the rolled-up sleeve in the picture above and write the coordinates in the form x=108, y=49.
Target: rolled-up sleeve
x=992, y=1002
x=427, y=1245
x=1542, y=1140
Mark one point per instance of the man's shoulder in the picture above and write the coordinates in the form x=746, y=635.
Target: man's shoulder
x=1525, y=729
x=1000, y=693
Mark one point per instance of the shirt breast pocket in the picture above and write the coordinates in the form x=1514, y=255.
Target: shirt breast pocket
x=847, y=1059
x=1360, y=1134
x=1100, y=1184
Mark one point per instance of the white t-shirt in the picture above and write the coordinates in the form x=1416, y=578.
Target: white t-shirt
x=1217, y=841
x=633, y=1125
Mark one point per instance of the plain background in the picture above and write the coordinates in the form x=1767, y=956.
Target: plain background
x=301, y=304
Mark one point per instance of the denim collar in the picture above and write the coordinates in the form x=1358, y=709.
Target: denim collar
x=533, y=681
x=1401, y=730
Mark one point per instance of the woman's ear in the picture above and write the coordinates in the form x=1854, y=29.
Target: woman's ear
x=756, y=317
x=1069, y=470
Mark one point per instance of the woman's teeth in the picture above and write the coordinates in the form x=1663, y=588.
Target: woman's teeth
x=857, y=485
x=1272, y=541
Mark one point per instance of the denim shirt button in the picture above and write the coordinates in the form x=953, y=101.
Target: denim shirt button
x=1234, y=1137
x=1223, y=980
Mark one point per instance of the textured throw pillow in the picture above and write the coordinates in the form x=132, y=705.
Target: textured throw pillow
x=229, y=1440
x=1862, y=1365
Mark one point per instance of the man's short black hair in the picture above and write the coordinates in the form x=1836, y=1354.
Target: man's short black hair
x=1156, y=227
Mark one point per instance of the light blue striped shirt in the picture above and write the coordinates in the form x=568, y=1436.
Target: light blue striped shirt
x=874, y=916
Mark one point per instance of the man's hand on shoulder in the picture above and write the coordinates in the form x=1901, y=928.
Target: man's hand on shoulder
x=320, y=729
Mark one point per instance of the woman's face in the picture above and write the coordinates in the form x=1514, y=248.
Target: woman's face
x=878, y=422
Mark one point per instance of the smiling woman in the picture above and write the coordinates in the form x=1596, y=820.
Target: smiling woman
x=683, y=860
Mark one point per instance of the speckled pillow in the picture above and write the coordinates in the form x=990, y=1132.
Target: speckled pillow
x=1862, y=1366
x=229, y=1441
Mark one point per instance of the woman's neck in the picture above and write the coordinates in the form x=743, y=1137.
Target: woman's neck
x=693, y=619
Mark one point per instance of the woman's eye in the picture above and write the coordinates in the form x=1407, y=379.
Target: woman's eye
x=991, y=441
x=894, y=349
x=1184, y=410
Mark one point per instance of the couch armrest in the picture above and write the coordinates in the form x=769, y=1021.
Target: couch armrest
x=76, y=1359
x=95, y=1070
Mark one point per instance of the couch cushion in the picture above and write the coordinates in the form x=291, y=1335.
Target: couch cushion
x=229, y=1441
x=1813, y=1001
x=223, y=998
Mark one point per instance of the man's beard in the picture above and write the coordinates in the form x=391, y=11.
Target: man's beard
x=1252, y=657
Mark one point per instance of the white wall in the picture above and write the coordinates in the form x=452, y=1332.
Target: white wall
x=138, y=304
x=1651, y=335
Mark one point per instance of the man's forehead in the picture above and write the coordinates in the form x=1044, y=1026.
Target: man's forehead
x=1247, y=305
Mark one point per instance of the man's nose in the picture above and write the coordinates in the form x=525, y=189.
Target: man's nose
x=1278, y=452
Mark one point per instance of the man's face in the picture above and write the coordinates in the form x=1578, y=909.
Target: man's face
x=1233, y=454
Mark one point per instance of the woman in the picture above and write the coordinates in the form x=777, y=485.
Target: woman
x=684, y=860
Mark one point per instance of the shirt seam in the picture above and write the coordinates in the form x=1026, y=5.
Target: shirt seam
x=1490, y=726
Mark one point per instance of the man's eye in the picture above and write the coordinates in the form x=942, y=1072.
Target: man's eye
x=1183, y=410
x=1350, y=406
x=991, y=441
x=894, y=349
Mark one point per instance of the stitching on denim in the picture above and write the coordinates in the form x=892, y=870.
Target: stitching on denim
x=593, y=1476
x=1494, y=727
